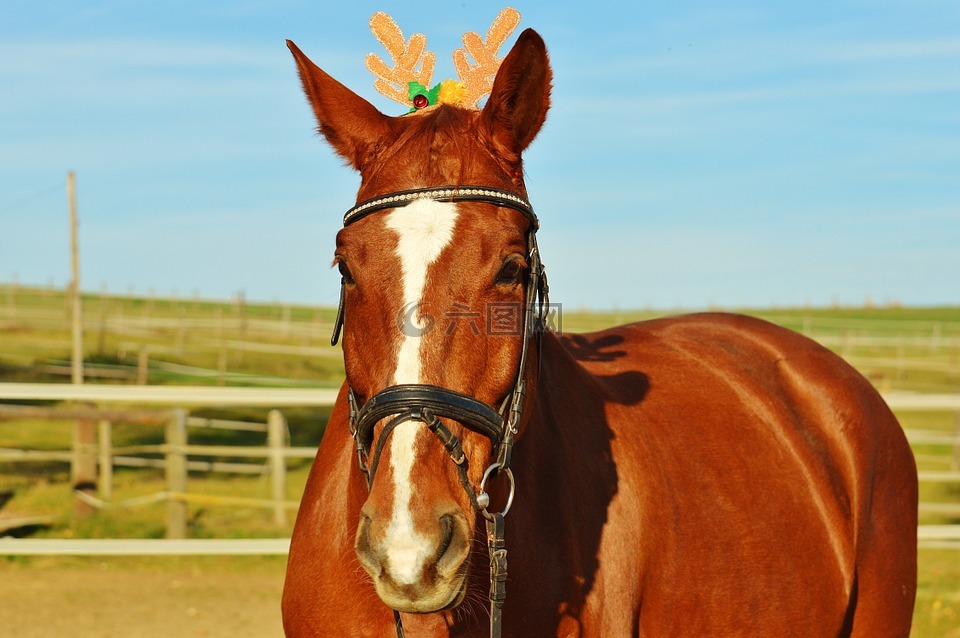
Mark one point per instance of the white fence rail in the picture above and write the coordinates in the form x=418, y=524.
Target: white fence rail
x=176, y=451
x=179, y=396
x=93, y=451
x=932, y=536
x=143, y=547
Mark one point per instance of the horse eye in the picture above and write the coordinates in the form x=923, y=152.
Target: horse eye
x=510, y=272
x=345, y=272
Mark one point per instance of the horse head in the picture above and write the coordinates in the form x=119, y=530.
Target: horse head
x=435, y=292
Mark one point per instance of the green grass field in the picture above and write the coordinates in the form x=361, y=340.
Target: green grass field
x=193, y=341
x=198, y=341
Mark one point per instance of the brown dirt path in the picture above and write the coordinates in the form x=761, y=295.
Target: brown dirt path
x=148, y=598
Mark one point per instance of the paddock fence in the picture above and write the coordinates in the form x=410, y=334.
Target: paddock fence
x=92, y=456
x=147, y=335
x=95, y=408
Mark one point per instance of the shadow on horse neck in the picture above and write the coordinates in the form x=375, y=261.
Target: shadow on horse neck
x=566, y=478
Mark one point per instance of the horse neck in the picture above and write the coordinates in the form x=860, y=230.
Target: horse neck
x=565, y=480
x=566, y=444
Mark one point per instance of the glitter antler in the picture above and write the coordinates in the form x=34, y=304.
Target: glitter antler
x=393, y=83
x=478, y=78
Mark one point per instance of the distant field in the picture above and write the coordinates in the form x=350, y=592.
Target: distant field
x=195, y=341
x=173, y=341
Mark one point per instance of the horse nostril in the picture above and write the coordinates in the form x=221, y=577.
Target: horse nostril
x=364, y=552
x=446, y=535
x=454, y=545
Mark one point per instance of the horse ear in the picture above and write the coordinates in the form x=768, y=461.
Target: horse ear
x=518, y=102
x=352, y=126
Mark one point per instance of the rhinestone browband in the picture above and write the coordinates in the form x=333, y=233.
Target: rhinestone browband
x=443, y=194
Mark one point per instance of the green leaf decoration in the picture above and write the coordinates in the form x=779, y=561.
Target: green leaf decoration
x=415, y=88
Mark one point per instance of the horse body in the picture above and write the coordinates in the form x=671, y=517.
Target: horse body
x=691, y=476
x=708, y=475
x=749, y=473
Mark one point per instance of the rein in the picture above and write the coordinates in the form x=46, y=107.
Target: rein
x=427, y=403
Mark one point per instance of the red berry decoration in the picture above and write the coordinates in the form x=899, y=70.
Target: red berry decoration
x=420, y=101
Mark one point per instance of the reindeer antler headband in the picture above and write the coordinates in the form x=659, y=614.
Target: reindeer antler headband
x=409, y=78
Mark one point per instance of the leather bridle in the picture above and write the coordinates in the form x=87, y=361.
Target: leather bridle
x=427, y=403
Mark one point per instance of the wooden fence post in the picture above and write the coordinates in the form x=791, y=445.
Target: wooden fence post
x=143, y=365
x=102, y=329
x=222, y=355
x=242, y=316
x=105, y=442
x=83, y=468
x=276, y=440
x=76, y=355
x=176, y=473
x=181, y=329
x=955, y=465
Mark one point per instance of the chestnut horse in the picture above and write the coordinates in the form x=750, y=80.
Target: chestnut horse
x=705, y=475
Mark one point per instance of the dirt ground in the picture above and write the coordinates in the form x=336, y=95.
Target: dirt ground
x=141, y=598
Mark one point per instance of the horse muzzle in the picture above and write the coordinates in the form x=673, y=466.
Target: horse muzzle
x=418, y=571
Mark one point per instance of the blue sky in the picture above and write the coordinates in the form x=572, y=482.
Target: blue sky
x=697, y=153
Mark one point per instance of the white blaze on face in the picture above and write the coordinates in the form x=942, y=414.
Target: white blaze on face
x=424, y=229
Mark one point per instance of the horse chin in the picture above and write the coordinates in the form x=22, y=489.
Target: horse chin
x=442, y=597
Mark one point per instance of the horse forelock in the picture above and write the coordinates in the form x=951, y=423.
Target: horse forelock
x=444, y=146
